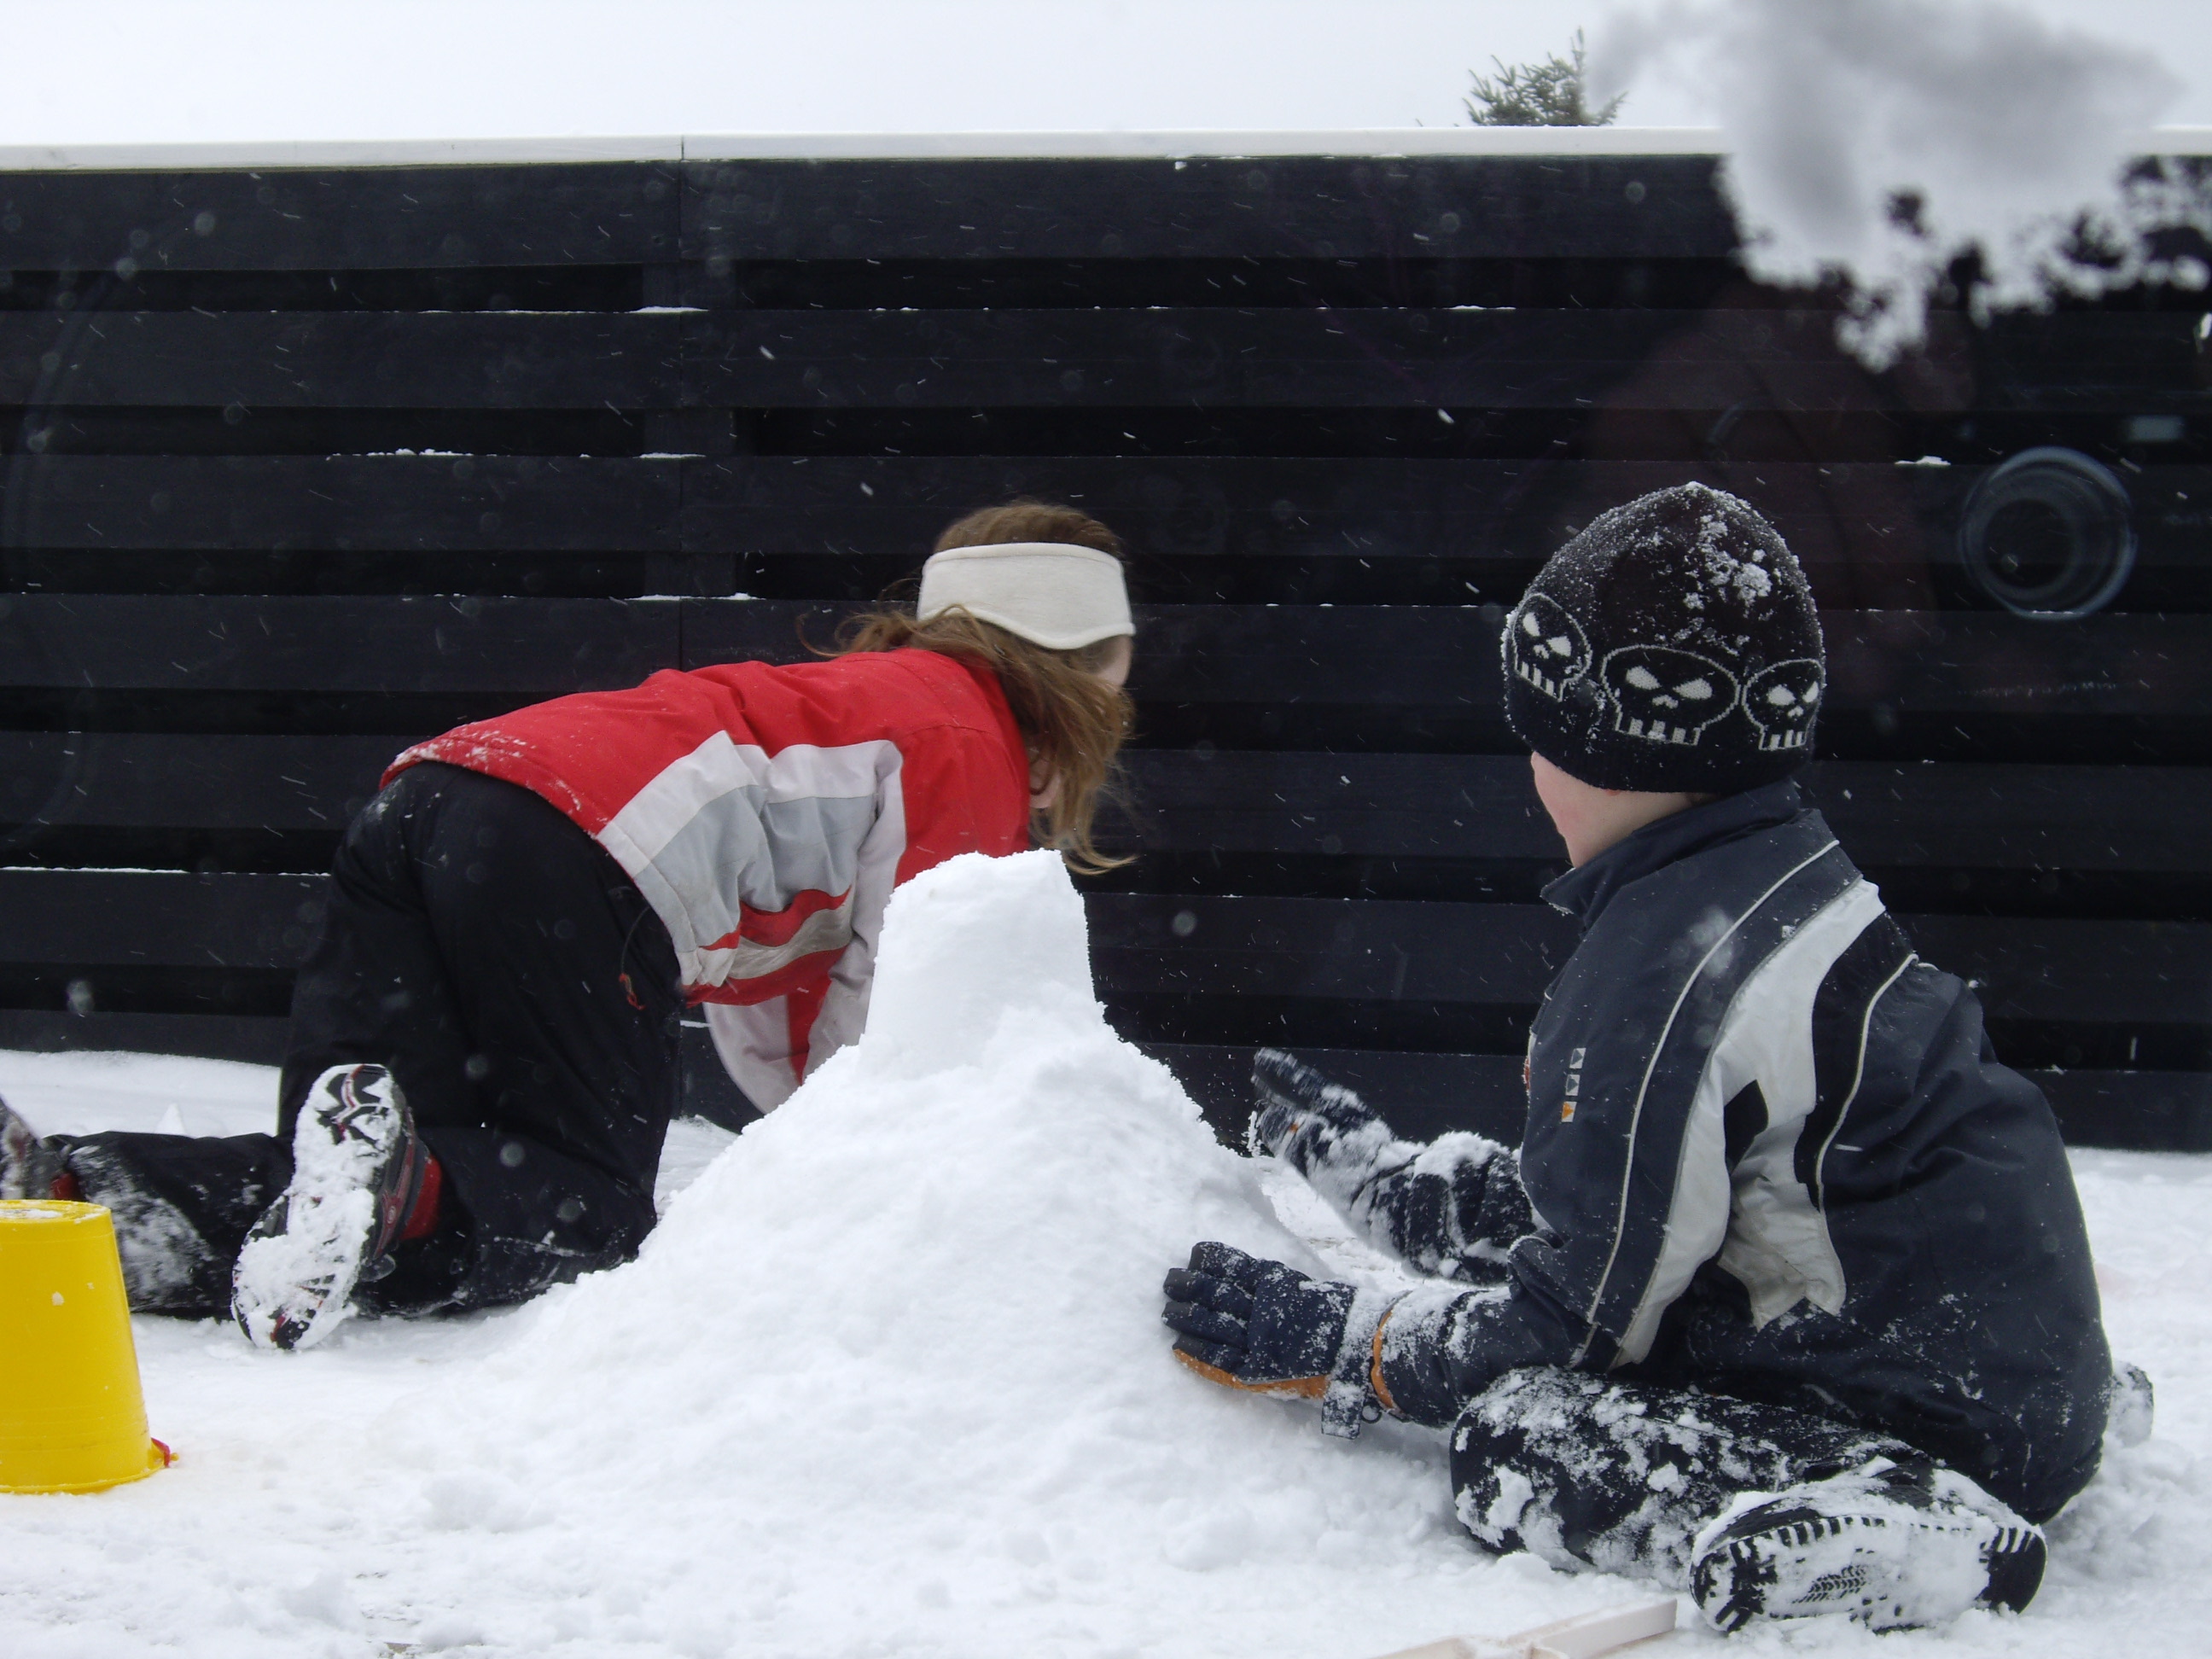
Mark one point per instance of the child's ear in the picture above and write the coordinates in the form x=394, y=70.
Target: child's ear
x=1045, y=786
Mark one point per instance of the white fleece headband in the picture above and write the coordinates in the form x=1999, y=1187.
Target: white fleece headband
x=1052, y=594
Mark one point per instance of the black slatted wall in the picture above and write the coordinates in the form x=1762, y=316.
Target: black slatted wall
x=303, y=465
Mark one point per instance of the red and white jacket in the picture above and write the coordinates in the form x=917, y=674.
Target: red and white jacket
x=766, y=813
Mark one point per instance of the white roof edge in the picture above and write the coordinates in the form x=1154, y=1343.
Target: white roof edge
x=374, y=153
x=1371, y=142
x=871, y=146
x=1377, y=142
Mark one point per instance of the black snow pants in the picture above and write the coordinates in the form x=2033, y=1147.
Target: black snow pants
x=1621, y=1475
x=525, y=997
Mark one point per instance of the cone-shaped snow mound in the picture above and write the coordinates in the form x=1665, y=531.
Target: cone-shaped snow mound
x=892, y=1377
x=949, y=1242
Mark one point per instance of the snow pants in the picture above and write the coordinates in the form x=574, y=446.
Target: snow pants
x=518, y=986
x=1620, y=1476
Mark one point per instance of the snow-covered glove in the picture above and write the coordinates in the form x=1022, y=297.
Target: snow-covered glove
x=1301, y=1117
x=1452, y=1208
x=1248, y=1323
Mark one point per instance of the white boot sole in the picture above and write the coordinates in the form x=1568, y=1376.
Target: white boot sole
x=295, y=1276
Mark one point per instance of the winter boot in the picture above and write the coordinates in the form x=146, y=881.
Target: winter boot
x=1889, y=1545
x=28, y=1169
x=357, y=1168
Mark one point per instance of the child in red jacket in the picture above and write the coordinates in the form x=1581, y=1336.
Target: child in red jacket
x=482, y=1060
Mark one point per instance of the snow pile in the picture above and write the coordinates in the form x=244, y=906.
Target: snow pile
x=1880, y=139
x=892, y=1377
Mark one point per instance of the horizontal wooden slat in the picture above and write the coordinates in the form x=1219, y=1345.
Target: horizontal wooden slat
x=157, y=919
x=1983, y=663
x=257, y=1039
x=1436, y=657
x=339, y=503
x=188, y=781
x=339, y=360
x=1872, y=534
x=2091, y=971
x=1287, y=656
x=1356, y=805
x=1422, y=1096
x=1484, y=806
x=1870, y=519
x=521, y=647
x=1326, y=949
x=898, y=359
x=1392, y=359
x=2140, y=1111
x=2140, y=819
x=1269, y=359
x=339, y=219
x=1398, y=807
x=1176, y=508
x=1302, y=208
x=1411, y=655
x=1389, y=950
x=1623, y=207
x=1279, y=358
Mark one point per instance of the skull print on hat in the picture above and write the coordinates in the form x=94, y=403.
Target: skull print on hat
x=1665, y=695
x=1672, y=644
x=1546, y=646
x=1782, y=700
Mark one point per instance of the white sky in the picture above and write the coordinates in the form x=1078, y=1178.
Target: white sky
x=125, y=71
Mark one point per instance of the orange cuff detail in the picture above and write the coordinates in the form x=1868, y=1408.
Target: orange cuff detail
x=1305, y=1388
x=1375, y=1381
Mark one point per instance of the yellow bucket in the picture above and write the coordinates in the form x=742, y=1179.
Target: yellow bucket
x=72, y=1417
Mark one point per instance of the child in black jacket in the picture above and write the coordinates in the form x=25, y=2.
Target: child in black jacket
x=1787, y=1294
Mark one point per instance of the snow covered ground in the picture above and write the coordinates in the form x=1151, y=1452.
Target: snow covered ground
x=890, y=1380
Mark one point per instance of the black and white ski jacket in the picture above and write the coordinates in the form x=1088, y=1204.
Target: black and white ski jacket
x=1768, y=1152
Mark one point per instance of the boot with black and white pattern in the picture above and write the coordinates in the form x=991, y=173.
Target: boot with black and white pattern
x=357, y=1168
x=1890, y=1545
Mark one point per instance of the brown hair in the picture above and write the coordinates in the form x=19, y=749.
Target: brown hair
x=1071, y=722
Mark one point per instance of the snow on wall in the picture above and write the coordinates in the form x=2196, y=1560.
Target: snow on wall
x=1123, y=144
x=2007, y=132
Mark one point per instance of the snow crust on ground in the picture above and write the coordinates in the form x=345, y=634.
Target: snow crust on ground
x=890, y=1379
x=2007, y=131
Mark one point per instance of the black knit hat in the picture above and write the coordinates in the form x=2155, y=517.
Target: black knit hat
x=1672, y=644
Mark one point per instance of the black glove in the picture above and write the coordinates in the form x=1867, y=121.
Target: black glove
x=1257, y=1325
x=1299, y=1114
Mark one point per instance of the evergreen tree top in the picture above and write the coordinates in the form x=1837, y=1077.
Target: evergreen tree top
x=1546, y=95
